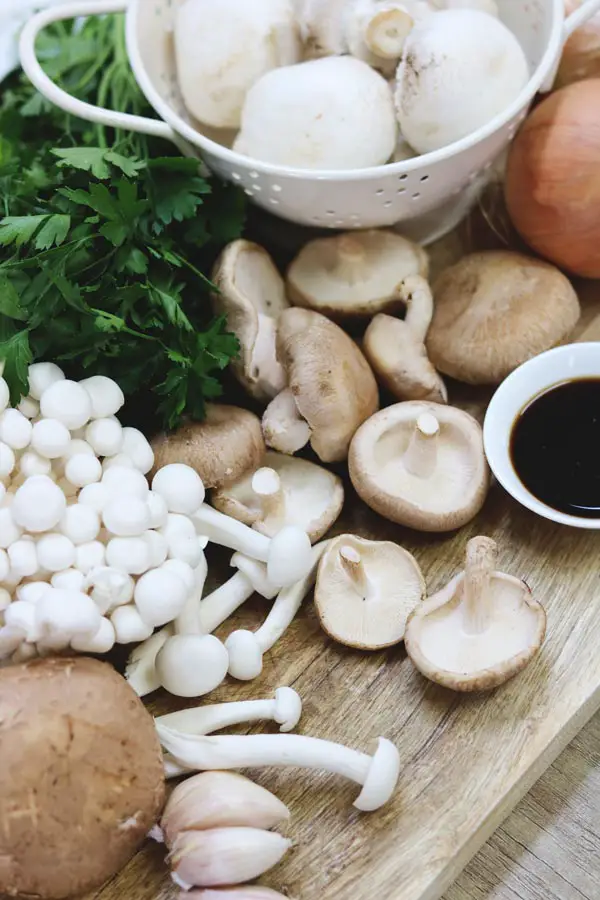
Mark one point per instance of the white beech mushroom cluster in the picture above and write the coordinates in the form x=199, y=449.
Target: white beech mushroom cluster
x=93, y=554
x=345, y=84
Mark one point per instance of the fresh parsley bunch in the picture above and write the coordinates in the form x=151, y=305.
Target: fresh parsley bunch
x=105, y=238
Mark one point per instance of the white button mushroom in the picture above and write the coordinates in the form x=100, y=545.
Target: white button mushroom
x=9, y=530
x=102, y=641
x=109, y=588
x=192, y=665
x=126, y=516
x=7, y=460
x=38, y=505
x=95, y=496
x=158, y=547
x=23, y=558
x=334, y=113
x=42, y=376
x=50, y=438
x=4, y=395
x=31, y=591
x=68, y=402
x=66, y=614
x=137, y=448
x=5, y=598
x=185, y=572
x=22, y=615
x=33, y=464
x=89, y=555
x=129, y=625
x=68, y=580
x=120, y=480
x=55, y=552
x=158, y=510
x=83, y=469
x=128, y=554
x=181, y=488
x=15, y=429
x=80, y=523
x=28, y=406
x=105, y=436
x=460, y=68
x=76, y=447
x=119, y=459
x=4, y=567
x=106, y=396
x=160, y=596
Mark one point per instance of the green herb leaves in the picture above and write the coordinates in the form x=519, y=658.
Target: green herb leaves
x=105, y=240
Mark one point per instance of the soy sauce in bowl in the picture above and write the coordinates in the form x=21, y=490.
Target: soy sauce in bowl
x=555, y=447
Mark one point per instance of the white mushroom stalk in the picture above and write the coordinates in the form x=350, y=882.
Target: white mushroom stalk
x=246, y=648
x=287, y=555
x=420, y=457
x=285, y=709
x=377, y=775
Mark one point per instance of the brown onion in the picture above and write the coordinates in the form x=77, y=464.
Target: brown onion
x=553, y=179
x=581, y=55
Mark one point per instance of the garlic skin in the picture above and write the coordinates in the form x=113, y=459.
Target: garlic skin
x=220, y=800
x=224, y=856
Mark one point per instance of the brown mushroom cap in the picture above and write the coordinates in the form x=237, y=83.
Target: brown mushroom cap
x=354, y=274
x=307, y=496
x=495, y=310
x=365, y=591
x=396, y=351
x=222, y=448
x=332, y=384
x=480, y=630
x=251, y=296
x=83, y=776
x=421, y=464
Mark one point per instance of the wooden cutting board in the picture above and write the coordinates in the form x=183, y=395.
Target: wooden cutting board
x=466, y=760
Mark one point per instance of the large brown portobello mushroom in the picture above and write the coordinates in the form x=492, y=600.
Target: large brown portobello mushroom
x=82, y=776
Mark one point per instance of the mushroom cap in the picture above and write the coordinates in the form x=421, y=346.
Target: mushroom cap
x=372, y=615
x=80, y=755
x=250, y=293
x=221, y=449
x=400, y=361
x=442, y=651
x=332, y=383
x=313, y=498
x=450, y=497
x=495, y=310
x=354, y=274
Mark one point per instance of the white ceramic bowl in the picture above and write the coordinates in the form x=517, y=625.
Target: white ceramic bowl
x=573, y=361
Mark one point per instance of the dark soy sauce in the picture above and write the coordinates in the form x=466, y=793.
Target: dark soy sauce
x=555, y=447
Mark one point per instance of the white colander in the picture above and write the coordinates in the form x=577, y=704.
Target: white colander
x=425, y=197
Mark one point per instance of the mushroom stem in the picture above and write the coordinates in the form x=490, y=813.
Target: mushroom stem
x=420, y=457
x=416, y=294
x=387, y=31
x=266, y=484
x=188, y=621
x=217, y=607
x=284, y=428
x=354, y=568
x=349, y=260
x=481, y=562
x=140, y=671
x=378, y=774
x=246, y=648
x=285, y=709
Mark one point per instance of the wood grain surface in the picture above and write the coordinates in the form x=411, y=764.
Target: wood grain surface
x=466, y=761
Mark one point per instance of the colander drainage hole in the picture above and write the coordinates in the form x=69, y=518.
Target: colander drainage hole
x=424, y=177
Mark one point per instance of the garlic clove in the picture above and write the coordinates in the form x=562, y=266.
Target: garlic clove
x=220, y=800
x=224, y=856
x=246, y=892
